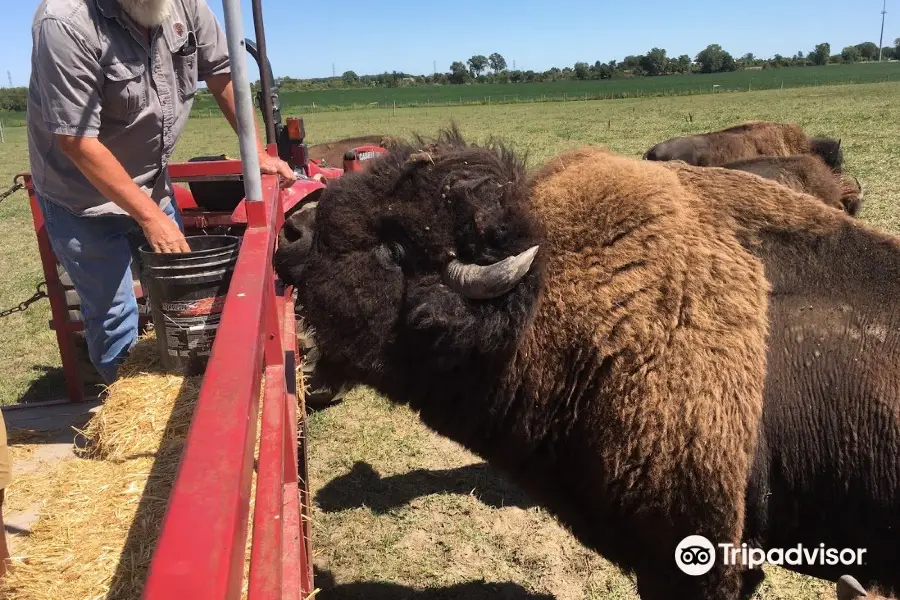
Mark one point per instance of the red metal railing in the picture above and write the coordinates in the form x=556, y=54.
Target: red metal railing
x=201, y=550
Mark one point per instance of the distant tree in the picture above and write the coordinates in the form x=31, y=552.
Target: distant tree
x=350, y=78
x=710, y=59
x=631, y=63
x=477, y=64
x=497, y=62
x=748, y=60
x=683, y=64
x=889, y=53
x=654, y=62
x=868, y=50
x=850, y=54
x=821, y=54
x=582, y=70
x=728, y=63
x=458, y=73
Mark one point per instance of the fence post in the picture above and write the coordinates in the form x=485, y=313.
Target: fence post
x=2, y=140
x=394, y=114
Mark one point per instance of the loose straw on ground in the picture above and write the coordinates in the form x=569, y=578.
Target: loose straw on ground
x=100, y=514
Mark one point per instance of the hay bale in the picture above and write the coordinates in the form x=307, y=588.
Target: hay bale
x=101, y=513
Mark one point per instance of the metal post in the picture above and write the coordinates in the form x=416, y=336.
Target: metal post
x=265, y=84
x=234, y=31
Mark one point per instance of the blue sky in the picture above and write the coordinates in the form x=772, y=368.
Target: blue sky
x=306, y=38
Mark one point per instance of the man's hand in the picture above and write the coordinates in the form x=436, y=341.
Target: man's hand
x=163, y=234
x=272, y=165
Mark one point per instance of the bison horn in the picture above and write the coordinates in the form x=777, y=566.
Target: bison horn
x=489, y=281
x=848, y=588
x=862, y=190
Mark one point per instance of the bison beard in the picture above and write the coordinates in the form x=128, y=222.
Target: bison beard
x=620, y=377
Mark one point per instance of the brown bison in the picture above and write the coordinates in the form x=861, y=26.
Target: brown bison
x=332, y=153
x=601, y=333
x=747, y=140
x=807, y=173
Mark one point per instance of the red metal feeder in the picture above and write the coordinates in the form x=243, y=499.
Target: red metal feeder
x=200, y=552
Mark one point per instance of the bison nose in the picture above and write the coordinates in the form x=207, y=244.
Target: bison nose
x=297, y=233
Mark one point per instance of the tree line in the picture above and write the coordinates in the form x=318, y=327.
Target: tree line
x=494, y=68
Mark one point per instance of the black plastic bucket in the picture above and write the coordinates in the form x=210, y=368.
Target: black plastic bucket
x=186, y=295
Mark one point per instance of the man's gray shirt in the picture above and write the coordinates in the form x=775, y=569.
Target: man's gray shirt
x=94, y=74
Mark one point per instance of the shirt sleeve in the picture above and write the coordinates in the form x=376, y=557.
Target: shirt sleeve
x=212, y=47
x=69, y=80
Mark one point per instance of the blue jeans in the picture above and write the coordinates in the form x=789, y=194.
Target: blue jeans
x=97, y=252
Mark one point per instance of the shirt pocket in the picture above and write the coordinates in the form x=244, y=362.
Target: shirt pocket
x=125, y=89
x=184, y=61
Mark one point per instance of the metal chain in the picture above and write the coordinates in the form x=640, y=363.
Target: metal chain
x=23, y=306
x=15, y=188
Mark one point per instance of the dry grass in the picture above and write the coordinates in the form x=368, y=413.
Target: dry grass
x=866, y=117
x=101, y=513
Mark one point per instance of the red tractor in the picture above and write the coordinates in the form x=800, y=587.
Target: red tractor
x=209, y=191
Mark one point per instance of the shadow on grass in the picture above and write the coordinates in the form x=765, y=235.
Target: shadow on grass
x=363, y=486
x=470, y=590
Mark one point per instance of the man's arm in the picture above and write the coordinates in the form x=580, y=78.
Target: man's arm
x=108, y=175
x=70, y=86
x=223, y=91
x=214, y=67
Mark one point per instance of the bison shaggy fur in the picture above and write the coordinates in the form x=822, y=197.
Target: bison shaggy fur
x=746, y=140
x=807, y=173
x=620, y=381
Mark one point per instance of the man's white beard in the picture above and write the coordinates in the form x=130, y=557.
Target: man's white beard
x=148, y=13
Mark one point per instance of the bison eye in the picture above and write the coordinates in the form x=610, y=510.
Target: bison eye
x=390, y=255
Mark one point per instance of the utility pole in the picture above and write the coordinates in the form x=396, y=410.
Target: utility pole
x=514, y=64
x=9, y=76
x=332, y=70
x=881, y=39
x=434, y=67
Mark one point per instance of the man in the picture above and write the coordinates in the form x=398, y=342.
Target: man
x=112, y=84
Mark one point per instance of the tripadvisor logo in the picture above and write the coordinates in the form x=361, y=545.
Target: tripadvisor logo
x=696, y=555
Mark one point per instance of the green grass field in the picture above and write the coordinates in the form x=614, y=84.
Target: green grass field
x=669, y=85
x=434, y=96
x=397, y=508
x=866, y=117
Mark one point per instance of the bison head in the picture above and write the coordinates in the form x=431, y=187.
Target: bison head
x=830, y=150
x=424, y=265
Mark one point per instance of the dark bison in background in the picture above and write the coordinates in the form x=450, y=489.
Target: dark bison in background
x=807, y=173
x=747, y=140
x=601, y=330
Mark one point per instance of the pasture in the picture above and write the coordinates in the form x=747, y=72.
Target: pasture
x=396, y=508
x=573, y=90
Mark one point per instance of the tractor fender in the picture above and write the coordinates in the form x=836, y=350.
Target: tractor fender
x=303, y=189
x=315, y=168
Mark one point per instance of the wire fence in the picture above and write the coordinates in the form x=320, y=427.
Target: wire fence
x=205, y=107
